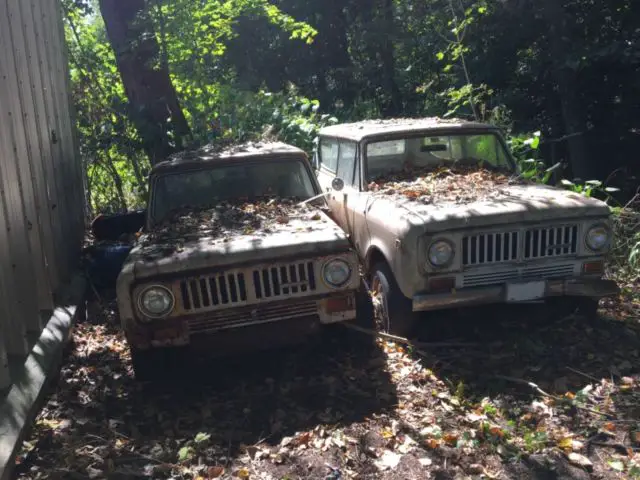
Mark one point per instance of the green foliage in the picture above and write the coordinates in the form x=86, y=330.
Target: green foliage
x=287, y=117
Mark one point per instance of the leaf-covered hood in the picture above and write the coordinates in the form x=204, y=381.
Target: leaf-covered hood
x=313, y=235
x=510, y=204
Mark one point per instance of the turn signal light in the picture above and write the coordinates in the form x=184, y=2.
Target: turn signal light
x=441, y=284
x=339, y=304
x=592, y=267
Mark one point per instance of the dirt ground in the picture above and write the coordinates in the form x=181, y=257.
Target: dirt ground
x=343, y=409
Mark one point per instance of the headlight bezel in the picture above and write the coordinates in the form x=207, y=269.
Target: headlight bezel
x=150, y=315
x=342, y=260
x=606, y=244
x=452, y=249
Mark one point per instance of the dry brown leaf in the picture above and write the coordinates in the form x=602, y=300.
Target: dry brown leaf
x=215, y=472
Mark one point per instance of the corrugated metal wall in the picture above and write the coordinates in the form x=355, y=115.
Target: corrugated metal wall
x=41, y=193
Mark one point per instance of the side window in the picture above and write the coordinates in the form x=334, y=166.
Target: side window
x=329, y=154
x=347, y=163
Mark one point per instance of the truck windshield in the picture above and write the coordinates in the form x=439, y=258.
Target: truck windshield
x=432, y=151
x=230, y=183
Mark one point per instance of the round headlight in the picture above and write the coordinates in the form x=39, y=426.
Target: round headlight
x=156, y=301
x=440, y=253
x=336, y=272
x=597, y=237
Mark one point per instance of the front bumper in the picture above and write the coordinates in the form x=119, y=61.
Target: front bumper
x=247, y=320
x=515, y=293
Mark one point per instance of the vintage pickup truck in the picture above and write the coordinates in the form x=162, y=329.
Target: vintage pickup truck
x=233, y=258
x=440, y=218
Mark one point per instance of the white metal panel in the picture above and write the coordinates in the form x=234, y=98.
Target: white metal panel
x=5, y=374
x=27, y=154
x=73, y=159
x=21, y=266
x=14, y=332
x=53, y=130
x=42, y=162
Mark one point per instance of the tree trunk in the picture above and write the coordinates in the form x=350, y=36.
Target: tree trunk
x=393, y=104
x=566, y=80
x=153, y=102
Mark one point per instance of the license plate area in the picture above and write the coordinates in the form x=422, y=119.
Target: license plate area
x=525, y=291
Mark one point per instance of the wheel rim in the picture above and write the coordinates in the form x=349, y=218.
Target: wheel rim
x=380, y=310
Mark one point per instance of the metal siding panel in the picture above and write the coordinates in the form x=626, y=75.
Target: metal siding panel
x=28, y=153
x=42, y=163
x=56, y=180
x=73, y=153
x=5, y=374
x=21, y=268
x=63, y=130
x=13, y=327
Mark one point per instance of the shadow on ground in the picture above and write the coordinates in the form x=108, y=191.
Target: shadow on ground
x=300, y=412
x=99, y=419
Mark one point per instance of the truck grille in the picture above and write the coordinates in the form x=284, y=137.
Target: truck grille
x=284, y=280
x=211, y=291
x=490, y=248
x=496, y=247
x=528, y=273
x=239, y=288
x=550, y=242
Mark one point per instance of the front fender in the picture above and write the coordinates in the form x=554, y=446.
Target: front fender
x=125, y=280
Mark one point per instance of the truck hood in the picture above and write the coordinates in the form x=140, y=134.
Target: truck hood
x=298, y=238
x=511, y=204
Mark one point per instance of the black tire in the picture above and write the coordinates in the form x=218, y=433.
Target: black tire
x=156, y=363
x=393, y=309
x=588, y=307
x=563, y=307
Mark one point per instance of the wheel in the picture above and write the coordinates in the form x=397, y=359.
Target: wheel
x=392, y=309
x=588, y=307
x=566, y=306
x=155, y=363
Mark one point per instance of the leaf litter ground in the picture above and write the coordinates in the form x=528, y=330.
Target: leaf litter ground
x=331, y=410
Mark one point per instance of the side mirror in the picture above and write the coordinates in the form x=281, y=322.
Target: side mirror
x=337, y=184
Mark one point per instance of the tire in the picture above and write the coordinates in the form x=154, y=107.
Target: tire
x=583, y=306
x=393, y=310
x=588, y=307
x=155, y=363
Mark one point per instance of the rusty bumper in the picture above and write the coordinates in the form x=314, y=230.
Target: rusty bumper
x=516, y=293
x=245, y=327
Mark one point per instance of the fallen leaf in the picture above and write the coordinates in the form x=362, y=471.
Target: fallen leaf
x=215, y=472
x=616, y=465
x=580, y=460
x=450, y=438
x=242, y=473
x=388, y=460
x=432, y=443
x=565, y=443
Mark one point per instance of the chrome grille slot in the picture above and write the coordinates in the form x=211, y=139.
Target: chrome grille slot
x=486, y=248
x=477, y=279
x=211, y=291
x=292, y=279
x=550, y=242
